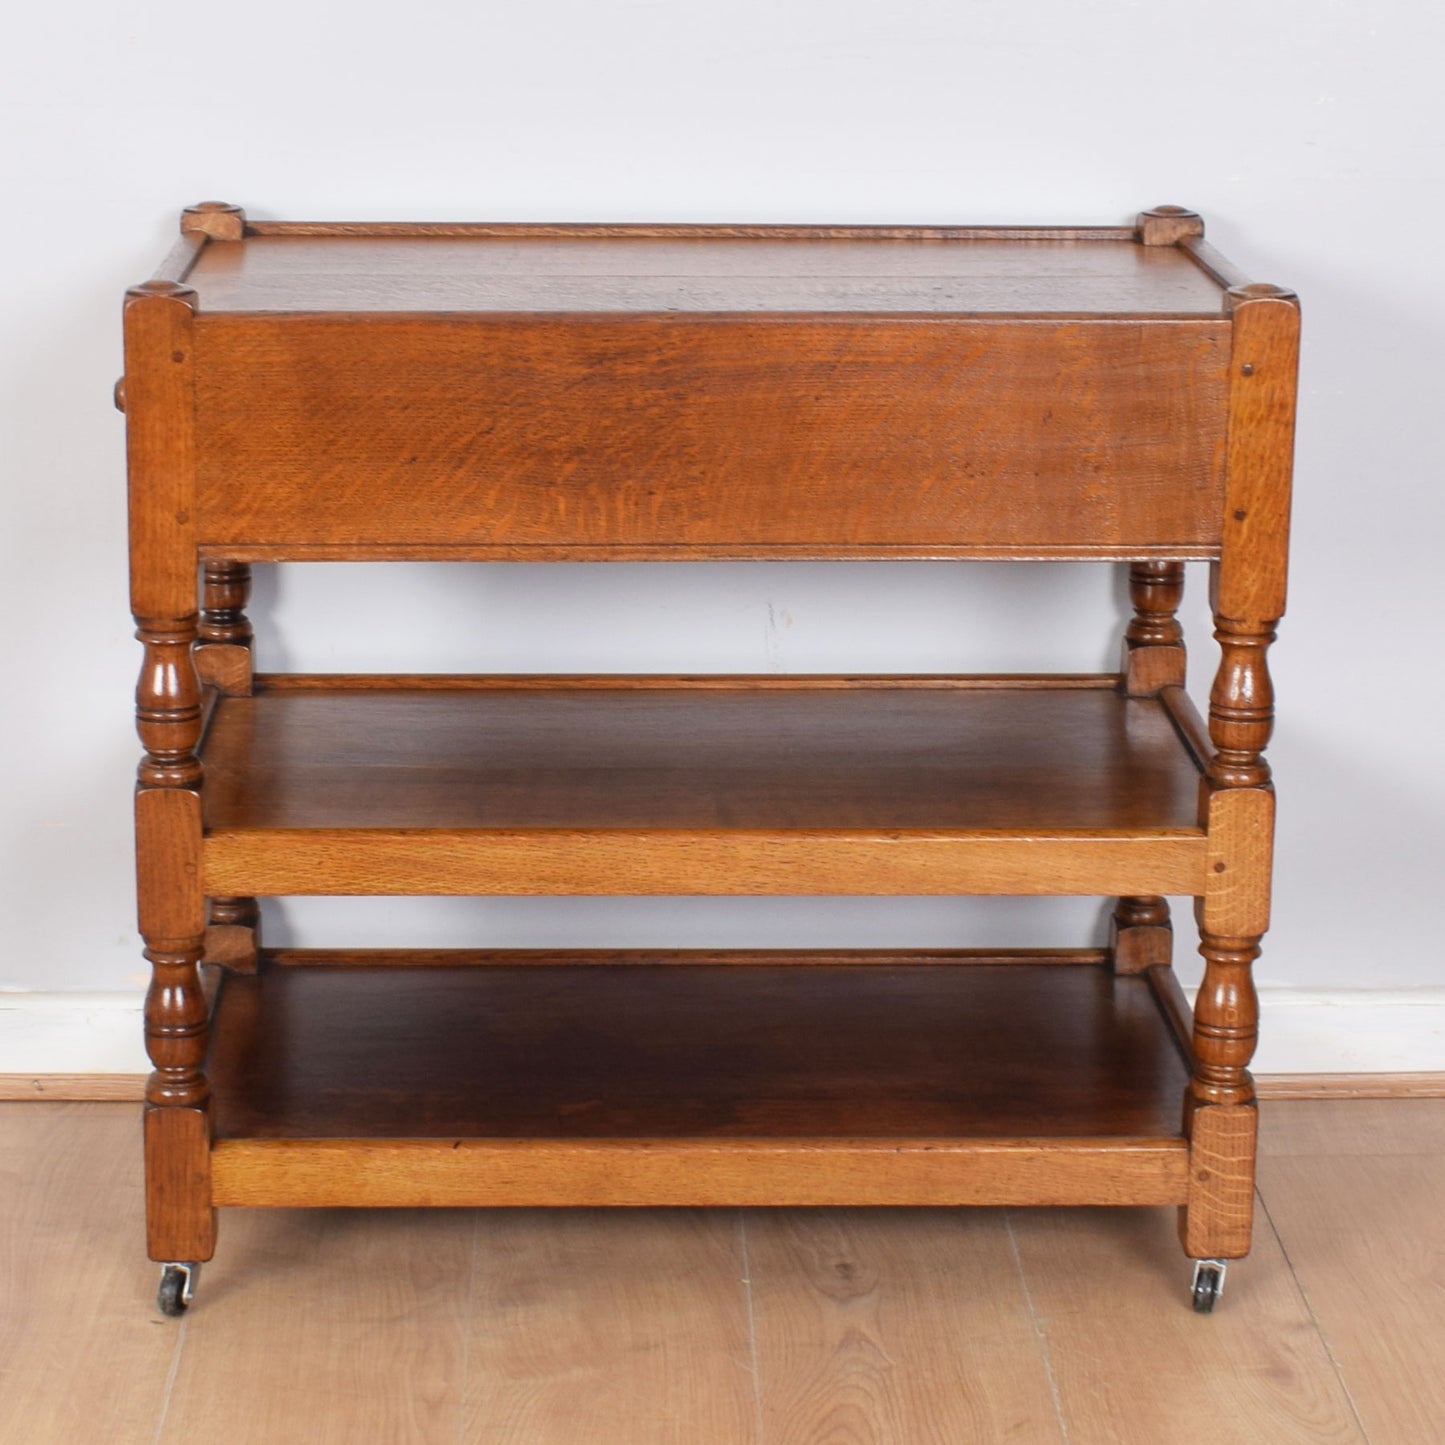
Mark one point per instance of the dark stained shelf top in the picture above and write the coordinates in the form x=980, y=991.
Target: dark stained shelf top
x=721, y=758
x=579, y=1051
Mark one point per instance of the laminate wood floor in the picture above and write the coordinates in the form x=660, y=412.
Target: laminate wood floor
x=727, y=1327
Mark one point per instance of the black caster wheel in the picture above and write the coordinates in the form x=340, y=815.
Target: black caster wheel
x=1208, y=1284
x=178, y=1283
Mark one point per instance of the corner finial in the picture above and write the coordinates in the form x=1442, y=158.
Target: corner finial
x=1168, y=225
x=161, y=287
x=215, y=220
x=1257, y=291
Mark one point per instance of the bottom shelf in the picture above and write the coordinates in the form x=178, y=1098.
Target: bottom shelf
x=532, y=1079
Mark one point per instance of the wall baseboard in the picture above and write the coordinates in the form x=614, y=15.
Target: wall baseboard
x=1342, y=1043
x=73, y=1088
x=1350, y=1086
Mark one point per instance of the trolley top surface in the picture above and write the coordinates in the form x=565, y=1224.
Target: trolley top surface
x=691, y=270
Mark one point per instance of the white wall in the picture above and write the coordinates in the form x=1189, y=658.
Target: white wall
x=1309, y=135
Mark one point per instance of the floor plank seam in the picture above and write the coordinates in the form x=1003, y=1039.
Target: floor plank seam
x=1314, y=1318
x=172, y=1375
x=747, y=1282
x=467, y=1333
x=1040, y=1334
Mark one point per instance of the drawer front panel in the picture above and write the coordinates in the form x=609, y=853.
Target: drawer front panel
x=768, y=435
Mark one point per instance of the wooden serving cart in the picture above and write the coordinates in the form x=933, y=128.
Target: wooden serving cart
x=302, y=392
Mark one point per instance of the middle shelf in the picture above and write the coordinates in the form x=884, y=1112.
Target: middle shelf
x=614, y=785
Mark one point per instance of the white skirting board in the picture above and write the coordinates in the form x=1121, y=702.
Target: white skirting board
x=1342, y=1031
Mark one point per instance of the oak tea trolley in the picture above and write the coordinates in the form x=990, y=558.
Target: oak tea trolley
x=312, y=392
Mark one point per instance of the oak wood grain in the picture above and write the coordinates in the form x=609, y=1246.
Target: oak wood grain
x=161, y=448
x=795, y=863
x=180, y=1219
x=453, y=1173
x=1217, y=1221
x=1248, y=585
x=1240, y=822
x=677, y=431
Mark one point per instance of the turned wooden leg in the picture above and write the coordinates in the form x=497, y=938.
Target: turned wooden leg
x=1221, y=1118
x=1140, y=934
x=223, y=660
x=1237, y=807
x=223, y=652
x=180, y=1223
x=1154, y=641
x=1247, y=595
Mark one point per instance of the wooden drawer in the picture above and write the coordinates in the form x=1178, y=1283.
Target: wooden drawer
x=667, y=434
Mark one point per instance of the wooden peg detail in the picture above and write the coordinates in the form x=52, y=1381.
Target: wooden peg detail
x=223, y=654
x=1154, y=655
x=1168, y=225
x=215, y=220
x=1141, y=934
